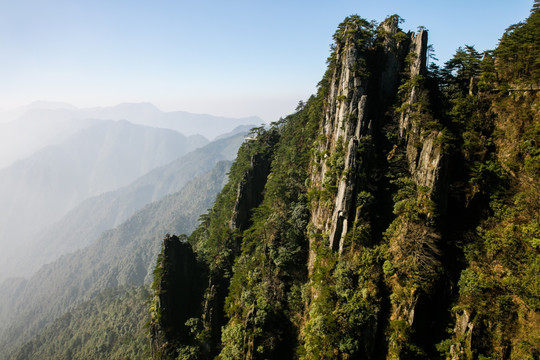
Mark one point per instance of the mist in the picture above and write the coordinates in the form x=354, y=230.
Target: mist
x=54, y=157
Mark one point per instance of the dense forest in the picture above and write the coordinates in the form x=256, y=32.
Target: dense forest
x=110, y=326
x=395, y=215
x=92, y=304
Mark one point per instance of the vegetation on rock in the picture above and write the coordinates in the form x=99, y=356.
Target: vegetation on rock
x=399, y=216
x=394, y=215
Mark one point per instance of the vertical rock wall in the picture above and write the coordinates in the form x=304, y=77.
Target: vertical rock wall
x=361, y=111
x=344, y=123
x=250, y=191
x=178, y=295
x=356, y=105
x=423, y=151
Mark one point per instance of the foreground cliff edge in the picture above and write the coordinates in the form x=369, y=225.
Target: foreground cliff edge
x=393, y=216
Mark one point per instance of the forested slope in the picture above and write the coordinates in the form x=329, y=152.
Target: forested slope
x=393, y=216
x=120, y=257
x=110, y=326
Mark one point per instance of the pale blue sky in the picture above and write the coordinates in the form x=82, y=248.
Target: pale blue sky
x=231, y=58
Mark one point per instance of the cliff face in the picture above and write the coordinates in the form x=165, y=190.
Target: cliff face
x=345, y=122
x=357, y=105
x=370, y=151
x=332, y=239
x=250, y=189
x=178, y=295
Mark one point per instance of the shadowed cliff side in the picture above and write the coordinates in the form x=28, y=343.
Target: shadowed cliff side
x=178, y=289
x=217, y=243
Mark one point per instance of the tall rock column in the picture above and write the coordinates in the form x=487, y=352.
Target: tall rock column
x=343, y=125
x=177, y=297
x=413, y=236
x=379, y=144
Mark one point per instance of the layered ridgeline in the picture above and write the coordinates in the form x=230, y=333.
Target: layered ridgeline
x=43, y=318
x=37, y=191
x=25, y=130
x=84, y=223
x=393, y=216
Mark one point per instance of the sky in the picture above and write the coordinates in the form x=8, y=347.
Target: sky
x=229, y=58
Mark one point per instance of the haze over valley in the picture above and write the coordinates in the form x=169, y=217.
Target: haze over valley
x=211, y=180
x=93, y=153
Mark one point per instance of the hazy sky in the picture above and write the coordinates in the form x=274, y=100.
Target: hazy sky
x=230, y=58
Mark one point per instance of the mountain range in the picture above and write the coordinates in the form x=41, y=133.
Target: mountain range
x=394, y=215
x=84, y=223
x=28, y=129
x=62, y=156
x=123, y=256
x=38, y=190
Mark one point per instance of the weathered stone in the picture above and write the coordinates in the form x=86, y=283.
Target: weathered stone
x=344, y=120
x=179, y=294
x=250, y=191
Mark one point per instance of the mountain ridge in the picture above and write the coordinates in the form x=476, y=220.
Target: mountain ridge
x=40, y=189
x=123, y=256
x=43, y=123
